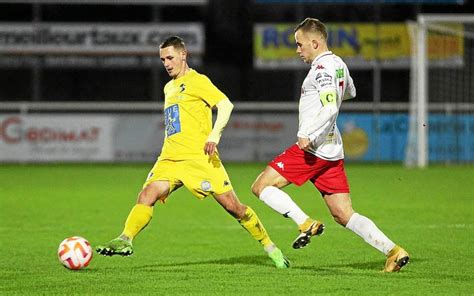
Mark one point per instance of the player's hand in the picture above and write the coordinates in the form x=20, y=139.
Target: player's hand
x=210, y=148
x=304, y=143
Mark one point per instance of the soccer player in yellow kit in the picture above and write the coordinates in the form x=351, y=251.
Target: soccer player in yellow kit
x=189, y=155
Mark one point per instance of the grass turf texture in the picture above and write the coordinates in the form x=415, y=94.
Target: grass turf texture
x=195, y=247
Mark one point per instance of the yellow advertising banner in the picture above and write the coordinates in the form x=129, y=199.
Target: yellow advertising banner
x=360, y=44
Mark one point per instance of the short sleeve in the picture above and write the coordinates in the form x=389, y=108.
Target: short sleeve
x=209, y=92
x=323, y=79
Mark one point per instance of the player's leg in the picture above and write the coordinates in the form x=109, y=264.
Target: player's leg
x=267, y=188
x=340, y=206
x=205, y=177
x=161, y=181
x=142, y=212
x=138, y=219
x=292, y=166
x=249, y=220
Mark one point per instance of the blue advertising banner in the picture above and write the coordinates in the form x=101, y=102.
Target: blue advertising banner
x=370, y=137
x=451, y=137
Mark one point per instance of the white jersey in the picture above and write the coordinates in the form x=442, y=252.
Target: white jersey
x=327, y=84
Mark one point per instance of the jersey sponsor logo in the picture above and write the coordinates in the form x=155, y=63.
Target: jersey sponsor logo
x=323, y=85
x=172, y=122
x=226, y=183
x=323, y=79
x=319, y=67
x=182, y=87
x=330, y=139
x=323, y=75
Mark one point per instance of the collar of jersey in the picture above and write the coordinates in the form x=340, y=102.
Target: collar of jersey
x=315, y=61
x=191, y=71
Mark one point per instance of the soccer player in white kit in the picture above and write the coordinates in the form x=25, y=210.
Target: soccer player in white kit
x=318, y=156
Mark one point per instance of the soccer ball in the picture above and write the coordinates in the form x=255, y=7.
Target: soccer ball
x=75, y=252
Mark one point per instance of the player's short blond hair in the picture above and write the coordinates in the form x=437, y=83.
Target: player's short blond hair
x=313, y=25
x=175, y=41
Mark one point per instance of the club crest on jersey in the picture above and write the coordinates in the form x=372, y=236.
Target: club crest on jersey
x=205, y=185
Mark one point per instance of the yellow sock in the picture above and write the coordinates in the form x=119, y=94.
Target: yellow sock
x=253, y=225
x=138, y=218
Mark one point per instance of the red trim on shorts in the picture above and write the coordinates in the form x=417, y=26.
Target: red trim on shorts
x=298, y=166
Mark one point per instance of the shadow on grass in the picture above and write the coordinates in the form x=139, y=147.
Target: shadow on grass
x=351, y=269
x=370, y=265
x=264, y=261
x=243, y=260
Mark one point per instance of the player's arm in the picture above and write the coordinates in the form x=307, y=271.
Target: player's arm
x=319, y=125
x=350, y=91
x=224, y=109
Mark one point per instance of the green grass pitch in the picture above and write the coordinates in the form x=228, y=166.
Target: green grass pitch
x=195, y=247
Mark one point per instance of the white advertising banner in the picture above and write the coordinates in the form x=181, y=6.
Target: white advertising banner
x=247, y=137
x=138, y=137
x=96, y=38
x=258, y=137
x=56, y=138
x=133, y=137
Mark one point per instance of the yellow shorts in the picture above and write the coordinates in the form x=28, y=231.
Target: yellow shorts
x=201, y=177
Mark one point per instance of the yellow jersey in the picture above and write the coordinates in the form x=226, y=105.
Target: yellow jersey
x=188, y=116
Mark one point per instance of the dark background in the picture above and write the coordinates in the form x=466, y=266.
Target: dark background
x=228, y=58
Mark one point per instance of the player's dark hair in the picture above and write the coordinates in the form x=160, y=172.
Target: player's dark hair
x=313, y=25
x=175, y=41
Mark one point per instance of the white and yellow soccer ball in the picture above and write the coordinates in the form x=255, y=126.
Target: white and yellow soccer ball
x=75, y=252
